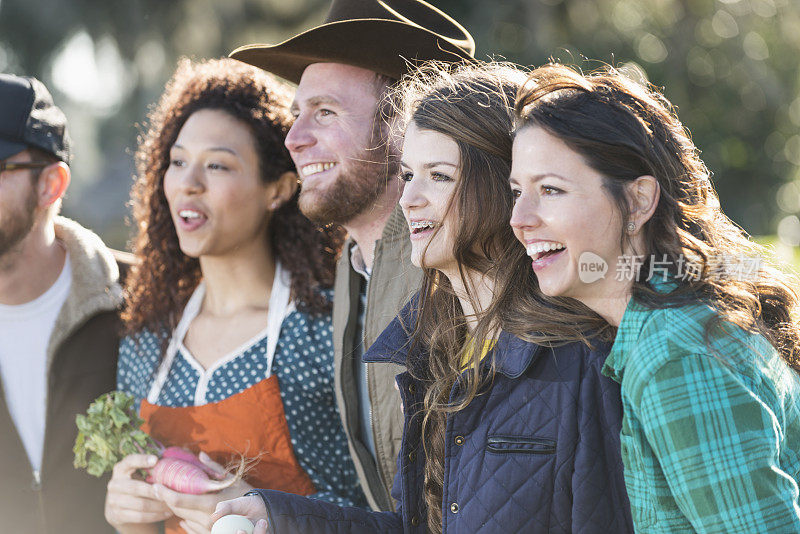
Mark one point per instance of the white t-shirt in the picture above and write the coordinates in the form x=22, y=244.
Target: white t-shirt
x=24, y=334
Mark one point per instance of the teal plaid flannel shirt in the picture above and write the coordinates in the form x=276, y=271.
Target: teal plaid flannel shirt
x=711, y=432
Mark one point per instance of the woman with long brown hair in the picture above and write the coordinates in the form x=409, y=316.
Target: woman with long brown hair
x=618, y=215
x=228, y=348
x=502, y=434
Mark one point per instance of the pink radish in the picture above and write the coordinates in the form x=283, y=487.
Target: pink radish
x=111, y=430
x=185, y=477
x=179, y=453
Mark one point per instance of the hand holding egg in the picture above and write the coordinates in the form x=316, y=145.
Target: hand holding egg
x=231, y=524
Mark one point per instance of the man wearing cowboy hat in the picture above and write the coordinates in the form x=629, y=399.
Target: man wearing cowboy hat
x=347, y=167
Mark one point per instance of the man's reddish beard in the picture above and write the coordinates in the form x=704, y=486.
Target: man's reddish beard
x=357, y=185
x=355, y=188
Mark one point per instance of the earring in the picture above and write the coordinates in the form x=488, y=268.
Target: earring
x=630, y=227
x=274, y=205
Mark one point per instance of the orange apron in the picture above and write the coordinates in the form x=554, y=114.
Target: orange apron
x=251, y=423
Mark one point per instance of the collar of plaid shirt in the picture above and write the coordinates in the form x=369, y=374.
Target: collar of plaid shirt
x=629, y=329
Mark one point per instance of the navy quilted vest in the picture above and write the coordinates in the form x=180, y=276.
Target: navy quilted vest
x=538, y=452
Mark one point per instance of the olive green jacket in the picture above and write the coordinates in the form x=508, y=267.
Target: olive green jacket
x=392, y=283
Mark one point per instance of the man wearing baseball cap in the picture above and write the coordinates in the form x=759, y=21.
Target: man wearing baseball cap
x=59, y=293
x=348, y=170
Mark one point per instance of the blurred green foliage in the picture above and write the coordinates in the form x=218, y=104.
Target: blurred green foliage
x=730, y=66
x=786, y=255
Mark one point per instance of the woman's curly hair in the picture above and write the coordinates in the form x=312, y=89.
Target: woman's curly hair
x=161, y=284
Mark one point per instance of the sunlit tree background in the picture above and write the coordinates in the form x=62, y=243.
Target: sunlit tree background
x=732, y=67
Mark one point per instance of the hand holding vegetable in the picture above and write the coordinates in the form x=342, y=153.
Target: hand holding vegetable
x=195, y=510
x=110, y=431
x=131, y=504
x=252, y=507
x=109, y=439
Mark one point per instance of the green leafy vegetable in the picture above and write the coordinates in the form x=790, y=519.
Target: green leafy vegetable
x=108, y=432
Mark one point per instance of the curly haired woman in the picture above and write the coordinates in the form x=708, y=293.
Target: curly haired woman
x=228, y=345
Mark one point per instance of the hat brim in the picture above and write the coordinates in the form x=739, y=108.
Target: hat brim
x=9, y=148
x=383, y=46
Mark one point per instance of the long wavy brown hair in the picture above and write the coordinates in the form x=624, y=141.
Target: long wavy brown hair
x=625, y=130
x=473, y=105
x=161, y=284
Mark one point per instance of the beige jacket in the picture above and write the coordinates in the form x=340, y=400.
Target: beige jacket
x=394, y=280
x=81, y=365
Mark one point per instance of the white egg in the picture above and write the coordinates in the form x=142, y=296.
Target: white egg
x=229, y=524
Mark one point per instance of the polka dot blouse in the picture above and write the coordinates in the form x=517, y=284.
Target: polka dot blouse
x=304, y=366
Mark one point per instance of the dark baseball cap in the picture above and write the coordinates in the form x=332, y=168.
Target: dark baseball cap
x=29, y=118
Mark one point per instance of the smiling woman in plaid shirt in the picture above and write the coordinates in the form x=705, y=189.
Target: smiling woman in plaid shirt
x=617, y=212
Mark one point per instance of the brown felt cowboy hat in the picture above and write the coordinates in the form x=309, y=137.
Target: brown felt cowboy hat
x=379, y=35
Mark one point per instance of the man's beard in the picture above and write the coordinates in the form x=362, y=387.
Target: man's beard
x=18, y=225
x=358, y=184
